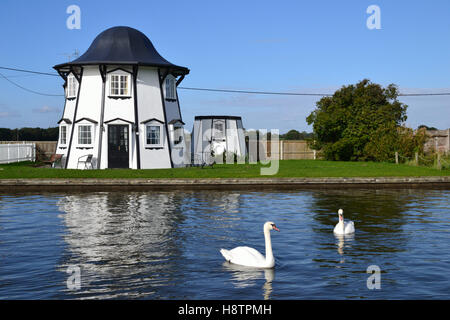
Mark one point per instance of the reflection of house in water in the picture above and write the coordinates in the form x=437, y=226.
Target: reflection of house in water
x=141, y=244
x=127, y=237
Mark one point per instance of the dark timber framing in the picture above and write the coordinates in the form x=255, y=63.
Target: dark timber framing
x=74, y=118
x=218, y=117
x=86, y=119
x=152, y=119
x=136, y=117
x=161, y=81
x=178, y=104
x=102, y=70
x=119, y=119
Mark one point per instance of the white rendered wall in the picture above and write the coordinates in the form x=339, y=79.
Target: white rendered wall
x=150, y=106
x=88, y=107
x=68, y=113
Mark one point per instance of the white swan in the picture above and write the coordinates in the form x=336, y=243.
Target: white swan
x=250, y=257
x=343, y=227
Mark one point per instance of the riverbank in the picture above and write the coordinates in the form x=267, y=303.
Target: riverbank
x=226, y=183
x=287, y=169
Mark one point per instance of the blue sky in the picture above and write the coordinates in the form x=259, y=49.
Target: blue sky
x=294, y=46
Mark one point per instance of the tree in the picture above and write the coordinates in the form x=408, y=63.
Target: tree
x=296, y=135
x=345, y=123
x=388, y=139
x=293, y=135
x=427, y=127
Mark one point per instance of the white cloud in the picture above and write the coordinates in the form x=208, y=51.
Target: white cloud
x=46, y=109
x=6, y=112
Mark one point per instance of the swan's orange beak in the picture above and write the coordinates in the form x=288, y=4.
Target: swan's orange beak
x=275, y=228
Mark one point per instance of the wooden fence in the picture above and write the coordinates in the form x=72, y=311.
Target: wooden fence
x=291, y=150
x=44, y=149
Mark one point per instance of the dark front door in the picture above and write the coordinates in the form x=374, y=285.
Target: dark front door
x=118, y=146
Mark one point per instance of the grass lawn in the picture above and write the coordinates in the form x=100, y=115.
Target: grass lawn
x=287, y=168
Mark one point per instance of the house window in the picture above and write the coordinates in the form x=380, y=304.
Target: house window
x=71, y=87
x=63, y=135
x=153, y=135
x=219, y=130
x=120, y=85
x=170, y=89
x=84, y=134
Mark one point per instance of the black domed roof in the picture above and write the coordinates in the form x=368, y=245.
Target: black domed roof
x=123, y=45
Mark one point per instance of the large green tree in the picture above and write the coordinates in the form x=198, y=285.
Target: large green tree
x=345, y=123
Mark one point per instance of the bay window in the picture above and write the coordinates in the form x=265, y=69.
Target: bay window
x=71, y=86
x=170, y=88
x=63, y=135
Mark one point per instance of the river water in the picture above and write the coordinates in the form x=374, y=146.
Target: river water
x=165, y=245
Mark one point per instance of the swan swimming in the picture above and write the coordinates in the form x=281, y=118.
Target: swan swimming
x=344, y=227
x=249, y=257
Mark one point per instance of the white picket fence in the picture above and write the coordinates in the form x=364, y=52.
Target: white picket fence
x=17, y=152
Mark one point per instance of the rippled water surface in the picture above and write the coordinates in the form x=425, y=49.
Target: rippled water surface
x=165, y=245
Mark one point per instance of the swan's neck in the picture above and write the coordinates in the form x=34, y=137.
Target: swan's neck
x=341, y=224
x=269, y=253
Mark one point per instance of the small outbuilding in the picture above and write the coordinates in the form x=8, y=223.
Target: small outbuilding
x=217, y=134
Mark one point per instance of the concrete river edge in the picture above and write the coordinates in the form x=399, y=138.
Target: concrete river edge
x=223, y=183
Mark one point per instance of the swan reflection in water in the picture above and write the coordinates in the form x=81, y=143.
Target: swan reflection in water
x=341, y=245
x=244, y=277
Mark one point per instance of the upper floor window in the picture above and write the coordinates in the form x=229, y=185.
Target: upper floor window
x=171, y=88
x=71, y=87
x=120, y=85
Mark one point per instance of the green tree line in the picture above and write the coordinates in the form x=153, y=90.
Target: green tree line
x=29, y=134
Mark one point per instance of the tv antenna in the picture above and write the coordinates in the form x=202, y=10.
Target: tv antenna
x=71, y=56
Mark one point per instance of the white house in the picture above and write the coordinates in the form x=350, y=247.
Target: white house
x=219, y=134
x=121, y=107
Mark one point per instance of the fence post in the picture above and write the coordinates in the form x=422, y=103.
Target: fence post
x=417, y=158
x=281, y=149
x=439, y=166
x=314, y=152
x=8, y=152
x=396, y=157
